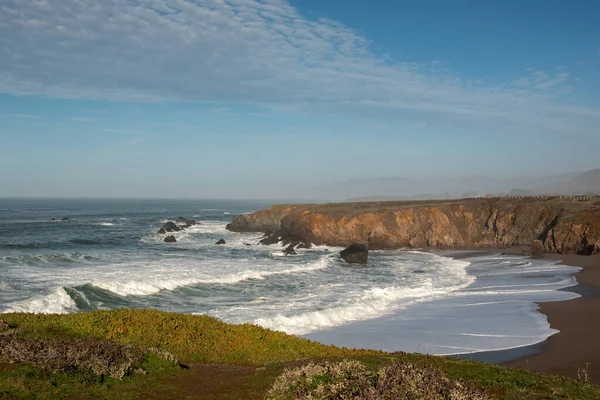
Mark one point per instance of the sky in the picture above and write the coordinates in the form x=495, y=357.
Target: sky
x=276, y=98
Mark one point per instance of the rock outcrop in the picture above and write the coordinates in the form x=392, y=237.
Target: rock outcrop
x=537, y=249
x=356, y=253
x=261, y=221
x=169, y=227
x=220, y=241
x=562, y=226
x=170, y=239
x=65, y=219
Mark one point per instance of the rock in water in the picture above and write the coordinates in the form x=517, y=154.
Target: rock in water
x=169, y=227
x=186, y=222
x=268, y=240
x=65, y=219
x=537, y=249
x=289, y=251
x=355, y=254
x=221, y=241
x=170, y=239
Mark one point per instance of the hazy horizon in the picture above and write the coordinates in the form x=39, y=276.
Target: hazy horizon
x=277, y=99
x=385, y=187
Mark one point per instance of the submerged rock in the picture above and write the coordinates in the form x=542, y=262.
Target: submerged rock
x=170, y=239
x=186, y=222
x=220, y=241
x=355, y=254
x=289, y=251
x=65, y=219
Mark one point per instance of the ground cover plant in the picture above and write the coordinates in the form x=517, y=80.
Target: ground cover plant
x=135, y=353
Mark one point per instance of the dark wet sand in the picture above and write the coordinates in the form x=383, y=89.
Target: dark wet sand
x=576, y=348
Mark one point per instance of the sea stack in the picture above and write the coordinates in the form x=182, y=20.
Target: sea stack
x=356, y=253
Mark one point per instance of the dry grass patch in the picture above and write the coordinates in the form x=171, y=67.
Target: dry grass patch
x=99, y=357
x=348, y=380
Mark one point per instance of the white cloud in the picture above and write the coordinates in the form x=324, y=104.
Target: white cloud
x=262, y=52
x=25, y=116
x=82, y=119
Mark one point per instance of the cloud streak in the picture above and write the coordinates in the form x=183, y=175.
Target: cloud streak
x=24, y=116
x=260, y=52
x=82, y=119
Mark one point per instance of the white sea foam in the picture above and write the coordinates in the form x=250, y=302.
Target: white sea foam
x=41, y=259
x=148, y=285
x=496, y=311
x=56, y=302
x=105, y=224
x=371, y=303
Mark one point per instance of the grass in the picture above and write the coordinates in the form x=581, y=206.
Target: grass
x=206, y=344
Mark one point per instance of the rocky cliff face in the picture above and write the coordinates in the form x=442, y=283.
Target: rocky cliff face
x=266, y=221
x=563, y=226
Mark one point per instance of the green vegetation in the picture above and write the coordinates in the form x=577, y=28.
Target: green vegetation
x=221, y=361
x=352, y=380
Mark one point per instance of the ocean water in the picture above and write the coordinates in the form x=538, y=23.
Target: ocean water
x=108, y=255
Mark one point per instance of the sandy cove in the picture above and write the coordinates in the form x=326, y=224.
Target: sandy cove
x=575, y=350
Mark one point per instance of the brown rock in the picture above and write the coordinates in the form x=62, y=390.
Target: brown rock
x=537, y=249
x=563, y=226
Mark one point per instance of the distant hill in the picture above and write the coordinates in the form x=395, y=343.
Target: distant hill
x=414, y=188
x=585, y=183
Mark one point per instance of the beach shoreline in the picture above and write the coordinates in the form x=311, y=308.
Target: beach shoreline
x=574, y=351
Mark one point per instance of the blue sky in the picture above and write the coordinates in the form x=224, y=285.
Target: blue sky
x=246, y=98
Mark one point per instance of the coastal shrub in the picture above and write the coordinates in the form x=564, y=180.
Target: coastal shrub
x=100, y=357
x=4, y=327
x=348, y=380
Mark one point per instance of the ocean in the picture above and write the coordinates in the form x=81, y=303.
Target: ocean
x=108, y=255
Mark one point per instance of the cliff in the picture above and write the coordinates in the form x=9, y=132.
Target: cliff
x=563, y=225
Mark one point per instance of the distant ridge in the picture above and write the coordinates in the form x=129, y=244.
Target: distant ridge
x=585, y=183
x=407, y=189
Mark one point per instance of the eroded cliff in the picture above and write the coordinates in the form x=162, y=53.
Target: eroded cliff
x=563, y=226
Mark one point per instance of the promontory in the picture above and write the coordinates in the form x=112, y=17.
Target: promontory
x=562, y=224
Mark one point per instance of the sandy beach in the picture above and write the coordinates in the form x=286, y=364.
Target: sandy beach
x=574, y=351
